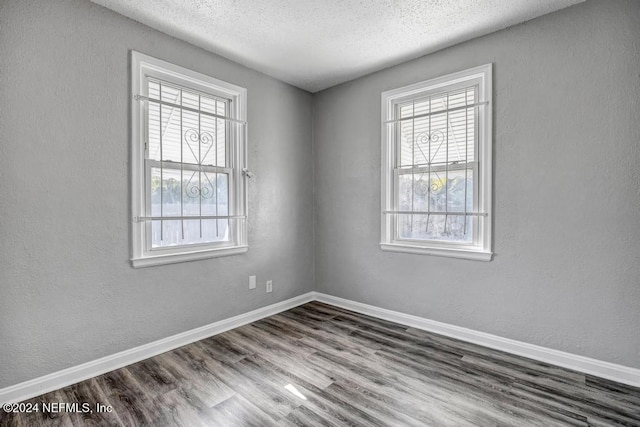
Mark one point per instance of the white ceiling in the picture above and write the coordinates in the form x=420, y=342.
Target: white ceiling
x=316, y=44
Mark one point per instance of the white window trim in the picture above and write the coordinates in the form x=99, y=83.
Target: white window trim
x=142, y=256
x=482, y=249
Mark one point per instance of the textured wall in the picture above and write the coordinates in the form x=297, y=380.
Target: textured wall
x=68, y=294
x=566, y=273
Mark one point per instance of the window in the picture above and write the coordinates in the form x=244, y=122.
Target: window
x=188, y=164
x=436, y=166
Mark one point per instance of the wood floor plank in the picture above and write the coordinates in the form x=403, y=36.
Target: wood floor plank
x=372, y=403
x=130, y=400
x=154, y=378
x=341, y=412
x=272, y=339
x=530, y=365
x=310, y=311
x=222, y=349
x=238, y=412
x=42, y=417
x=478, y=391
x=577, y=391
x=90, y=393
x=614, y=390
x=205, y=388
x=291, y=357
x=303, y=416
x=279, y=330
x=593, y=411
x=434, y=405
x=320, y=365
x=268, y=400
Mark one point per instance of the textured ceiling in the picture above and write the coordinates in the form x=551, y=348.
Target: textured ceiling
x=316, y=44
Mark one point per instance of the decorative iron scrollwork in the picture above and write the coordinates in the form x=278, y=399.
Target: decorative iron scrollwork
x=192, y=189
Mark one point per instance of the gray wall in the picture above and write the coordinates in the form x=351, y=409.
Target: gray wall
x=566, y=273
x=567, y=230
x=68, y=294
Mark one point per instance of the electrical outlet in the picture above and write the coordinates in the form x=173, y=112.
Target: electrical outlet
x=269, y=286
x=252, y=282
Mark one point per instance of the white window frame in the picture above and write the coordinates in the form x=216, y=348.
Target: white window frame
x=143, y=255
x=480, y=248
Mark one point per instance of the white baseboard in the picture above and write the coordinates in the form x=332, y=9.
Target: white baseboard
x=611, y=371
x=65, y=377
x=57, y=380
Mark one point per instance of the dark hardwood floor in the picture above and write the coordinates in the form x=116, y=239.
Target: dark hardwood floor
x=321, y=365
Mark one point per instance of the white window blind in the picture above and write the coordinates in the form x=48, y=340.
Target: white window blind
x=186, y=161
x=189, y=191
x=436, y=144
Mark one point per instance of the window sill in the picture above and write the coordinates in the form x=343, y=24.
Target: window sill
x=475, y=255
x=151, y=260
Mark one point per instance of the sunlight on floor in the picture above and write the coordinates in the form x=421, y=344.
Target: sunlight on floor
x=291, y=388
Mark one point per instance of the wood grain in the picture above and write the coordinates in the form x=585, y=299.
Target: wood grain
x=319, y=365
